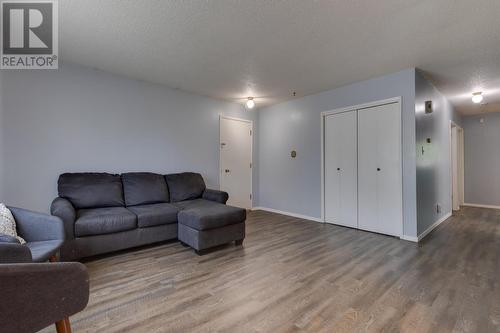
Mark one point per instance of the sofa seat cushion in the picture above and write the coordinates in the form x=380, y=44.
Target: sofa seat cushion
x=144, y=188
x=99, y=221
x=43, y=250
x=205, y=215
x=156, y=214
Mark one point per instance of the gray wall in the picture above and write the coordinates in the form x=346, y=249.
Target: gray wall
x=434, y=165
x=482, y=159
x=294, y=185
x=79, y=119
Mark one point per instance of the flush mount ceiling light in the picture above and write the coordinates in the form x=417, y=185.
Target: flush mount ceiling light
x=477, y=97
x=250, y=103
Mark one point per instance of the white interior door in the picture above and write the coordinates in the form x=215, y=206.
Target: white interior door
x=236, y=161
x=379, y=169
x=341, y=169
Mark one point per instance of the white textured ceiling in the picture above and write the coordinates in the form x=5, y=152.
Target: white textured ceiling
x=230, y=49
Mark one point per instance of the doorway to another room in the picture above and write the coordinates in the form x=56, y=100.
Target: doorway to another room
x=457, y=165
x=236, y=160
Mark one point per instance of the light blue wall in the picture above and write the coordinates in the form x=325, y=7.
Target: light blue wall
x=294, y=185
x=482, y=159
x=433, y=166
x=79, y=119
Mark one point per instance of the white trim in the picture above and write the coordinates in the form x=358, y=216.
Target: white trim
x=323, y=218
x=427, y=231
x=409, y=238
x=433, y=226
x=237, y=119
x=452, y=124
x=461, y=161
x=481, y=206
x=403, y=237
x=300, y=216
x=363, y=106
x=393, y=100
x=221, y=116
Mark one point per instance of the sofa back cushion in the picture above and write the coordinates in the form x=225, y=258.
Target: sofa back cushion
x=143, y=188
x=91, y=190
x=185, y=186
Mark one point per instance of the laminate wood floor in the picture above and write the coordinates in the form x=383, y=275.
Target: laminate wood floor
x=293, y=275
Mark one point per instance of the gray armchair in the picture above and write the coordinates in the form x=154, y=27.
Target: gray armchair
x=43, y=233
x=37, y=295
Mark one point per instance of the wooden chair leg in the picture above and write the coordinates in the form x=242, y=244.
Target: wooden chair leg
x=63, y=326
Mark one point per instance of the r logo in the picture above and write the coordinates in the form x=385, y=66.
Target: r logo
x=27, y=28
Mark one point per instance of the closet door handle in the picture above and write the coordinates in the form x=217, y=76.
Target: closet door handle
x=378, y=169
x=338, y=169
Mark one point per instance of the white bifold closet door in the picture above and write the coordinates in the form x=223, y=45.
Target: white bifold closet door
x=379, y=169
x=341, y=205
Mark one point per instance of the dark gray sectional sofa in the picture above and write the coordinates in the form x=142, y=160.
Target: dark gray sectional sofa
x=105, y=212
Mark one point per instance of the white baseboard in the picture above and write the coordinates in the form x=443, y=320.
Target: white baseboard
x=300, y=216
x=315, y=219
x=409, y=238
x=481, y=206
x=433, y=226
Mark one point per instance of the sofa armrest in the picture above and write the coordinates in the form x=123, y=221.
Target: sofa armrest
x=35, y=227
x=35, y=296
x=215, y=195
x=14, y=253
x=63, y=209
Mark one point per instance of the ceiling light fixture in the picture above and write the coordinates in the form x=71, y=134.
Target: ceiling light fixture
x=250, y=103
x=477, y=97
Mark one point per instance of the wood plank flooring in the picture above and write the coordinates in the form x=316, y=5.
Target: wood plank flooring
x=293, y=275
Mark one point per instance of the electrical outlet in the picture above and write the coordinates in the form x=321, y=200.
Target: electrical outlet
x=438, y=208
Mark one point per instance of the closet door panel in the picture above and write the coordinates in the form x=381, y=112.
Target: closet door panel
x=341, y=169
x=389, y=176
x=379, y=156
x=367, y=164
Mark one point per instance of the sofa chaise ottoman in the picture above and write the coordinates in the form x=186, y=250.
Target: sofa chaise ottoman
x=105, y=212
x=204, y=224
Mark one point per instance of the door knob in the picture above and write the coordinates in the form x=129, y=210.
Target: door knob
x=338, y=169
x=227, y=170
x=378, y=169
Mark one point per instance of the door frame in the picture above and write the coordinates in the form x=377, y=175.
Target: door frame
x=357, y=107
x=221, y=117
x=460, y=164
